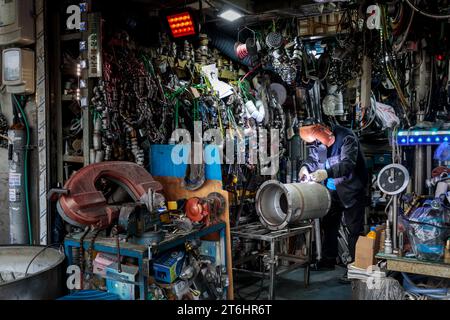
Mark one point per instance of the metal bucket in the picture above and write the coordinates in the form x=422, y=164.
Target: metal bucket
x=43, y=279
x=279, y=205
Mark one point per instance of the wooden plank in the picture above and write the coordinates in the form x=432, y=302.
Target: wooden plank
x=74, y=159
x=173, y=190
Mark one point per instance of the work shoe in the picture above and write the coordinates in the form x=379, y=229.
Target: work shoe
x=324, y=265
x=344, y=279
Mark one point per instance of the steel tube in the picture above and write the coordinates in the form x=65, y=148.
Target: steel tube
x=279, y=205
x=395, y=222
x=18, y=223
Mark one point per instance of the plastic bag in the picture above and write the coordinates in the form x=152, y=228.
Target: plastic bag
x=428, y=228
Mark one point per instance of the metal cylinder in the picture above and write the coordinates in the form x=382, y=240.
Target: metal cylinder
x=419, y=170
x=279, y=205
x=17, y=206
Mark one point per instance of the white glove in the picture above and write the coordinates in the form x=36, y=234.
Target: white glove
x=319, y=175
x=303, y=174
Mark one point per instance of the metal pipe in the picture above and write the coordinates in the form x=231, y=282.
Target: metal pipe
x=18, y=233
x=279, y=205
x=395, y=222
x=419, y=174
x=318, y=239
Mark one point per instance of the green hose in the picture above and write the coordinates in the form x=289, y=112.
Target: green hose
x=30, y=234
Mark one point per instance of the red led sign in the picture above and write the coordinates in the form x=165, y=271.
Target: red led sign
x=181, y=24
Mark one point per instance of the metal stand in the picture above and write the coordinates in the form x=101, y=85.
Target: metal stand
x=255, y=231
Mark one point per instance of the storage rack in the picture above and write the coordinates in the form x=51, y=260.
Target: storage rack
x=141, y=252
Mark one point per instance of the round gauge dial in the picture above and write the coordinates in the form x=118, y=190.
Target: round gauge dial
x=393, y=179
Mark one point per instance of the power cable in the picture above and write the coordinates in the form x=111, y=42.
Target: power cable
x=429, y=15
x=27, y=145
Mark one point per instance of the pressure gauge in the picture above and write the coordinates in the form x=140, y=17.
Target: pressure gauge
x=393, y=179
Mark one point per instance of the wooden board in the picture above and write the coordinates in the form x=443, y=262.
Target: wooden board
x=173, y=191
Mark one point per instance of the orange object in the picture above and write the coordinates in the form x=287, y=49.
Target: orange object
x=317, y=132
x=181, y=24
x=197, y=209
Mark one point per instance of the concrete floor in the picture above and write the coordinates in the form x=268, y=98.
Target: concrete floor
x=323, y=285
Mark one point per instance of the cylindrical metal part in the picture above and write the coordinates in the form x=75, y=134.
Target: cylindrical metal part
x=318, y=239
x=279, y=205
x=419, y=170
x=18, y=223
x=395, y=222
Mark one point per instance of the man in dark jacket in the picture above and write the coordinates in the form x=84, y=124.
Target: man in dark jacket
x=336, y=159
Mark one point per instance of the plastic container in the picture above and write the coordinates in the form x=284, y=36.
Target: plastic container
x=372, y=234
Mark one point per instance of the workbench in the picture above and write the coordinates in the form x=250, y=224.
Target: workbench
x=141, y=252
x=415, y=266
x=256, y=231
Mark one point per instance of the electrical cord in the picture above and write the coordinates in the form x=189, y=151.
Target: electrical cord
x=27, y=145
x=405, y=34
x=429, y=15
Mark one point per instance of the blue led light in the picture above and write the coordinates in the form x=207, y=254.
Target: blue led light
x=438, y=139
x=411, y=140
x=420, y=140
x=428, y=139
x=403, y=140
x=446, y=139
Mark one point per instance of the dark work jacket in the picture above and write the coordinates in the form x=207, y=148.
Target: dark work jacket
x=344, y=162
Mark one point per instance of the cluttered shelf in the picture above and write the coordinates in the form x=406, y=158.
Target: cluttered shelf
x=120, y=278
x=168, y=243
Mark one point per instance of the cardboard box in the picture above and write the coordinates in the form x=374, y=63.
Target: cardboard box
x=114, y=283
x=365, y=252
x=102, y=261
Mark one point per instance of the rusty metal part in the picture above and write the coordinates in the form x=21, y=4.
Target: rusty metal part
x=196, y=209
x=84, y=205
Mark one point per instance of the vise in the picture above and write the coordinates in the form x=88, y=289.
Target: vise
x=81, y=204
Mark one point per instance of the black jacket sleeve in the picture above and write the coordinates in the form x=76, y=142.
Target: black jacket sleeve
x=347, y=159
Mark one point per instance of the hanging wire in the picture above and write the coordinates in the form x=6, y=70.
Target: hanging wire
x=429, y=15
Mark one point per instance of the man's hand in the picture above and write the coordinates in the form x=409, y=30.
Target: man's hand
x=319, y=175
x=303, y=174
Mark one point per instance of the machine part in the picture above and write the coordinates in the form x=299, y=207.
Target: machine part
x=274, y=40
x=149, y=238
x=279, y=205
x=387, y=241
x=183, y=223
x=318, y=239
x=216, y=203
x=85, y=205
x=225, y=45
x=197, y=209
x=393, y=179
x=43, y=280
x=18, y=233
x=279, y=91
x=419, y=170
x=205, y=209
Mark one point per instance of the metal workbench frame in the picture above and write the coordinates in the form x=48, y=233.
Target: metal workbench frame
x=256, y=231
x=140, y=252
